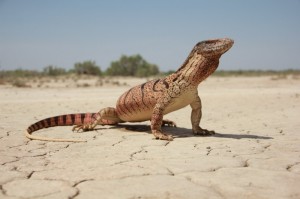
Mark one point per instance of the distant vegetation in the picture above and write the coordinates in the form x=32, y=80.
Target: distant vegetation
x=133, y=66
x=87, y=68
x=52, y=71
x=249, y=73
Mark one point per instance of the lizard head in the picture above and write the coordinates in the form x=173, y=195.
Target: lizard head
x=204, y=59
x=214, y=47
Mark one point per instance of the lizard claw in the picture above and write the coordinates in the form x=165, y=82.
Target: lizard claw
x=82, y=127
x=168, y=123
x=162, y=136
x=77, y=128
x=203, y=132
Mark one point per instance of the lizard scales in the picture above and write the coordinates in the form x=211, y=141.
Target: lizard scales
x=153, y=99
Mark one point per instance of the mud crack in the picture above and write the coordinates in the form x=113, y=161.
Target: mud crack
x=77, y=193
x=289, y=167
x=123, y=139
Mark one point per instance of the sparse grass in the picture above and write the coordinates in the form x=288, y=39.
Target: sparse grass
x=116, y=83
x=24, y=78
x=279, y=77
x=255, y=73
x=19, y=73
x=84, y=85
x=106, y=81
x=99, y=82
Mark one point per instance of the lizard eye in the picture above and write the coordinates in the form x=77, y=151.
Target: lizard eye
x=211, y=41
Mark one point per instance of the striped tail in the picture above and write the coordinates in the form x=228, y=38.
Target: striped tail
x=61, y=120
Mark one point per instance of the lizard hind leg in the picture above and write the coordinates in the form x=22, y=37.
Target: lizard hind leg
x=106, y=116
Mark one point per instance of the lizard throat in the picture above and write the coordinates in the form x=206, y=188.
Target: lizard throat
x=198, y=68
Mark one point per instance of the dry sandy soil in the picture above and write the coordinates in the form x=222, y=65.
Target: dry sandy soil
x=254, y=154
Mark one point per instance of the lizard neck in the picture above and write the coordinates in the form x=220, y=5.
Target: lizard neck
x=197, y=68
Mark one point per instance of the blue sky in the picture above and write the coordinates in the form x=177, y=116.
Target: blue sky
x=38, y=33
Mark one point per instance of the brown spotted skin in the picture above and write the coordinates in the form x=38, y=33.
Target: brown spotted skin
x=62, y=120
x=155, y=98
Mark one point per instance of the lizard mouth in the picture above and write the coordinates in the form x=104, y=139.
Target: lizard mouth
x=215, y=46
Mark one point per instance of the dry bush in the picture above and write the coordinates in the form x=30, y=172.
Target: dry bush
x=84, y=85
x=19, y=83
x=2, y=81
x=279, y=77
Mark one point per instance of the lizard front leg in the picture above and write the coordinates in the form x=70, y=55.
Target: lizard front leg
x=157, y=122
x=196, y=117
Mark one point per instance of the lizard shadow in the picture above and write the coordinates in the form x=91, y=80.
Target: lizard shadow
x=179, y=132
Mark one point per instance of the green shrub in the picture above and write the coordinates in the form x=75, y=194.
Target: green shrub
x=87, y=68
x=133, y=65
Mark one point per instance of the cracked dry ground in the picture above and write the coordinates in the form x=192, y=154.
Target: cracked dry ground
x=255, y=153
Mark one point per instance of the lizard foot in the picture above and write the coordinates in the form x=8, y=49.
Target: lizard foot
x=82, y=127
x=203, y=132
x=168, y=123
x=162, y=136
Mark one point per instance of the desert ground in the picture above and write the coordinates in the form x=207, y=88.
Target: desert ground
x=255, y=152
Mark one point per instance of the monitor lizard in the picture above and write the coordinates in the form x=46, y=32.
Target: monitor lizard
x=153, y=99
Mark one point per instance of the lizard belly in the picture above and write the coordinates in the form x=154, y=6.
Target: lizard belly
x=144, y=114
x=137, y=116
x=181, y=101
